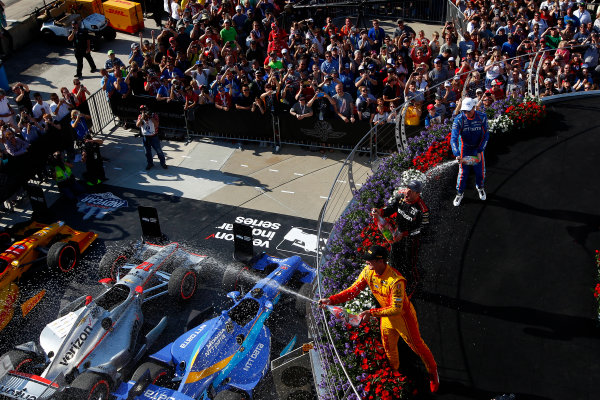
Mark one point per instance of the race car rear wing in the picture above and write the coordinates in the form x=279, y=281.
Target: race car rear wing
x=150, y=225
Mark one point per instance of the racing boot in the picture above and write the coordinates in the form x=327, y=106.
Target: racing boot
x=482, y=195
x=458, y=199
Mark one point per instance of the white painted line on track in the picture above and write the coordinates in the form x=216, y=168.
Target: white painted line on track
x=273, y=170
x=324, y=197
x=186, y=157
x=297, y=174
x=213, y=161
x=287, y=191
x=341, y=181
x=243, y=165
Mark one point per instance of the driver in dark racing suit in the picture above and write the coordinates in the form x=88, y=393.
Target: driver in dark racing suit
x=412, y=216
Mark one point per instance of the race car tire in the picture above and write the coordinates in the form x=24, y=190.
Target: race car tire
x=301, y=302
x=159, y=373
x=183, y=283
x=210, y=272
x=24, y=361
x=230, y=395
x=236, y=278
x=91, y=386
x=109, y=34
x=63, y=257
x=110, y=264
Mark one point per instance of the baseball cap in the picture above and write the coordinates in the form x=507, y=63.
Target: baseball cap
x=172, y=40
x=390, y=60
x=468, y=104
x=290, y=66
x=238, y=7
x=437, y=60
x=584, y=66
x=284, y=51
x=376, y=252
x=198, y=62
x=371, y=66
x=346, y=65
x=451, y=59
x=143, y=107
x=496, y=82
x=547, y=80
x=415, y=185
x=399, y=21
x=111, y=52
x=480, y=90
x=447, y=83
x=362, y=67
x=430, y=107
x=134, y=46
x=302, y=97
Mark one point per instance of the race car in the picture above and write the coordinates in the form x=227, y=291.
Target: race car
x=59, y=245
x=83, y=354
x=225, y=356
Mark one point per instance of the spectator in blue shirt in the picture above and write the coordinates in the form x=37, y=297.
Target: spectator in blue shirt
x=330, y=64
x=347, y=78
x=108, y=82
x=510, y=47
x=164, y=91
x=136, y=54
x=113, y=61
x=376, y=34
x=571, y=17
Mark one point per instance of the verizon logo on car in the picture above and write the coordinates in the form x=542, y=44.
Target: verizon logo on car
x=16, y=394
x=76, y=345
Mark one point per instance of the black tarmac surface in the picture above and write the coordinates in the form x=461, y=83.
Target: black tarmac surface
x=507, y=306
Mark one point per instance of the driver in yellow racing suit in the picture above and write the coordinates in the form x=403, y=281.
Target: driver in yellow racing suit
x=398, y=316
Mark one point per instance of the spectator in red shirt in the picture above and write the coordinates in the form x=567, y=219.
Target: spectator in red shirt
x=497, y=90
x=277, y=45
x=418, y=57
x=347, y=28
x=223, y=99
x=276, y=32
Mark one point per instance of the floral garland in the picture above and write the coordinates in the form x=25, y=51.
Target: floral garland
x=355, y=231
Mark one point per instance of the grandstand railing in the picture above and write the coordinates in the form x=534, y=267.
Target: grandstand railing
x=336, y=383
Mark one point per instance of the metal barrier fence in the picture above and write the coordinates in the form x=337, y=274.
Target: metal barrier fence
x=335, y=382
x=415, y=10
x=100, y=111
x=453, y=14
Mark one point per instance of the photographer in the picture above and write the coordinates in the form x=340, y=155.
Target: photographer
x=30, y=129
x=66, y=182
x=148, y=123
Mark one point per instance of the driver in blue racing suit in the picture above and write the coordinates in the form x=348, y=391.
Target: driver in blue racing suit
x=469, y=137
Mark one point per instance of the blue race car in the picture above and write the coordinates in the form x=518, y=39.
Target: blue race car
x=225, y=357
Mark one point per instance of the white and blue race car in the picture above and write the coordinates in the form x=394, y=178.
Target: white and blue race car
x=227, y=356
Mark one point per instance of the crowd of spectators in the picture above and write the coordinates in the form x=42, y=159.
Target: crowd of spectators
x=238, y=57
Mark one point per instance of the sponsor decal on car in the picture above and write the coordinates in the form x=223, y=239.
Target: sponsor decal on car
x=192, y=336
x=76, y=345
x=253, y=357
x=16, y=393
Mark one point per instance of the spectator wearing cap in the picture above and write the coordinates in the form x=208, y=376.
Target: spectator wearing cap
x=501, y=36
x=392, y=92
x=171, y=71
x=228, y=33
x=365, y=43
x=112, y=62
x=552, y=38
x=469, y=138
x=163, y=93
x=347, y=78
x=402, y=29
x=108, y=82
x=366, y=78
x=82, y=46
x=510, y=46
x=585, y=76
x=277, y=45
x=431, y=117
x=135, y=54
x=465, y=45
x=497, y=90
x=301, y=110
x=438, y=74
x=582, y=34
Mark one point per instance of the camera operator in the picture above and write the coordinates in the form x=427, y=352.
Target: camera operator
x=148, y=123
x=82, y=44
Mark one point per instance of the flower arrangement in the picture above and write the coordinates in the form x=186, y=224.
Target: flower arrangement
x=355, y=231
x=502, y=124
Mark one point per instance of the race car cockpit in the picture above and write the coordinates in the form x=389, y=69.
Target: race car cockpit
x=113, y=297
x=244, y=311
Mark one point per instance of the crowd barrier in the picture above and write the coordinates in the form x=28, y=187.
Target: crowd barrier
x=415, y=10
x=207, y=121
